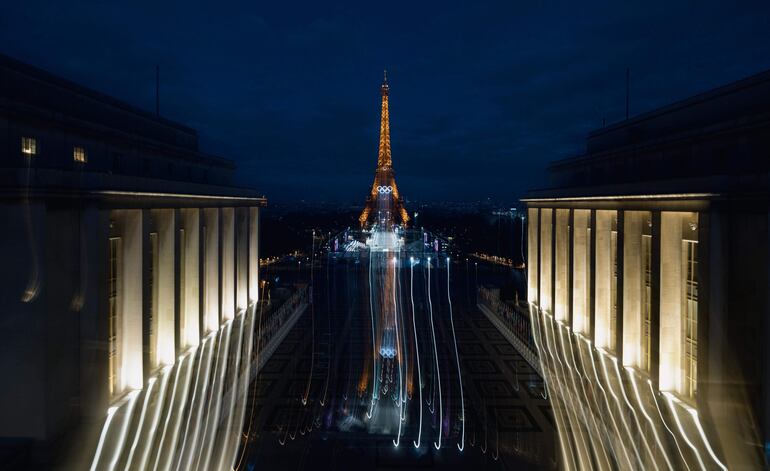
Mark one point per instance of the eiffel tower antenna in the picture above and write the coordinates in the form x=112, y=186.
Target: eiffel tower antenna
x=384, y=205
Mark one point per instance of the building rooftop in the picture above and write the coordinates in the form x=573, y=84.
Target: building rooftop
x=717, y=141
x=127, y=148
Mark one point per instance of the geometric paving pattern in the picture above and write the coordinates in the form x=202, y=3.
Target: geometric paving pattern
x=506, y=415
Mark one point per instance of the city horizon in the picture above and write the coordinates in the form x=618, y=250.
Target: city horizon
x=481, y=236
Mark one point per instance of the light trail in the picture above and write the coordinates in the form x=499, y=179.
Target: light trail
x=215, y=400
x=155, y=417
x=702, y=434
x=562, y=408
x=188, y=376
x=124, y=427
x=400, y=375
x=609, y=407
x=221, y=453
x=620, y=410
x=105, y=429
x=583, y=378
x=405, y=394
x=670, y=398
x=255, y=358
x=438, y=373
x=633, y=412
x=142, y=415
x=328, y=338
x=312, y=325
x=374, y=345
x=416, y=347
x=457, y=358
x=632, y=374
x=550, y=376
x=196, y=396
x=585, y=444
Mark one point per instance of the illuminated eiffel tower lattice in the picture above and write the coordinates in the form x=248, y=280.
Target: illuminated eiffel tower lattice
x=384, y=207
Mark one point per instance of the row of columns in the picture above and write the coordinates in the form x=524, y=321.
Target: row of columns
x=182, y=273
x=588, y=269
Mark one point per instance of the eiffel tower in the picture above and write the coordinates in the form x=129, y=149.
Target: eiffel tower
x=384, y=206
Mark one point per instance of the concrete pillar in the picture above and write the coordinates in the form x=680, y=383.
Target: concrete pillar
x=228, y=263
x=581, y=261
x=189, y=285
x=592, y=276
x=561, y=265
x=671, y=290
x=189, y=273
x=633, y=284
x=211, y=302
x=533, y=217
x=546, y=260
x=165, y=348
x=242, y=258
x=253, y=255
x=130, y=298
x=603, y=279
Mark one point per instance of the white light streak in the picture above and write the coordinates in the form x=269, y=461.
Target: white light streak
x=137, y=435
x=438, y=373
x=461, y=445
x=670, y=399
x=676, y=442
x=374, y=346
x=105, y=429
x=632, y=374
x=400, y=375
x=416, y=348
x=122, y=435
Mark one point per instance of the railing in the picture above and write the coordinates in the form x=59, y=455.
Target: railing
x=274, y=319
x=497, y=260
x=513, y=323
x=276, y=322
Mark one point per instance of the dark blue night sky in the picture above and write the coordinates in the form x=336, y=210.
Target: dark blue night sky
x=483, y=95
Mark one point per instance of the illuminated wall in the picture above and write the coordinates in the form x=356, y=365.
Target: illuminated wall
x=581, y=276
x=603, y=305
x=189, y=412
x=211, y=279
x=253, y=254
x=562, y=264
x=633, y=286
x=614, y=406
x=189, y=282
x=165, y=348
x=545, y=293
x=533, y=230
x=242, y=258
x=228, y=263
x=129, y=328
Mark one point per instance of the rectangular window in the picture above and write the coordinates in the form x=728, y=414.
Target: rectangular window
x=690, y=317
x=182, y=287
x=79, y=154
x=113, y=316
x=29, y=146
x=613, y=286
x=204, y=326
x=647, y=300
x=152, y=317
